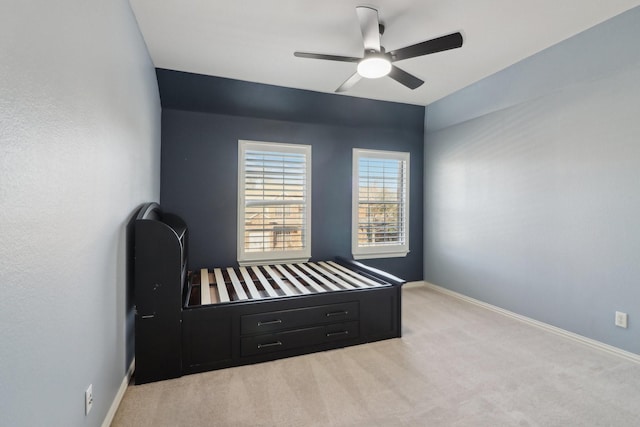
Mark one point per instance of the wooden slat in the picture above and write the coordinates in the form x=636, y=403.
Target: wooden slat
x=293, y=280
x=306, y=278
x=333, y=277
x=255, y=294
x=350, y=279
x=354, y=274
x=322, y=280
x=212, y=289
x=287, y=290
x=222, y=287
x=205, y=292
x=265, y=283
x=242, y=295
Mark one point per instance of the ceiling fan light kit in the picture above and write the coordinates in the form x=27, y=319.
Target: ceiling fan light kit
x=374, y=66
x=375, y=62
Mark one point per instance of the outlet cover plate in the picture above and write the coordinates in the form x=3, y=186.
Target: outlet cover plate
x=621, y=319
x=88, y=399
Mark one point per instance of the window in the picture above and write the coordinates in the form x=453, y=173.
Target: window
x=274, y=202
x=380, y=213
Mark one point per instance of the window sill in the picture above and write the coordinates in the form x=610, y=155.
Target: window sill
x=399, y=254
x=248, y=263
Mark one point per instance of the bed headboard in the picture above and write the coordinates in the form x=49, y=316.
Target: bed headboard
x=149, y=211
x=160, y=246
x=160, y=277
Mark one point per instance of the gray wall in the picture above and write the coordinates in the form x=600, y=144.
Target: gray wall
x=200, y=159
x=79, y=151
x=532, y=185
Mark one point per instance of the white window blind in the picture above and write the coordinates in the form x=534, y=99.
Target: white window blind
x=274, y=202
x=380, y=226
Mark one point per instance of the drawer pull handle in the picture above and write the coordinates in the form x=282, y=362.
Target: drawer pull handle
x=148, y=316
x=337, y=313
x=270, y=322
x=335, y=334
x=271, y=344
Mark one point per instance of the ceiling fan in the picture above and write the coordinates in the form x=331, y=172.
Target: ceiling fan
x=376, y=62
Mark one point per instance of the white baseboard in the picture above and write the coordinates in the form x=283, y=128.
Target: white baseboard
x=414, y=284
x=553, y=329
x=116, y=401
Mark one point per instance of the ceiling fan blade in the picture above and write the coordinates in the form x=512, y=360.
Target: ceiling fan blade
x=327, y=57
x=451, y=41
x=349, y=83
x=370, y=27
x=402, y=77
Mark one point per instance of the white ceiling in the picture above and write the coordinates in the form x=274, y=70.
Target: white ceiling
x=254, y=40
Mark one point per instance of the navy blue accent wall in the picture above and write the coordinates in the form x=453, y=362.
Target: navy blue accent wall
x=204, y=117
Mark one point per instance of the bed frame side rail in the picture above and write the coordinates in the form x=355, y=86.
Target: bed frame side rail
x=365, y=269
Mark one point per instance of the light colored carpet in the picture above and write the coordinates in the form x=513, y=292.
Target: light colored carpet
x=457, y=364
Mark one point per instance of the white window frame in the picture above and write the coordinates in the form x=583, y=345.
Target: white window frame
x=266, y=257
x=383, y=250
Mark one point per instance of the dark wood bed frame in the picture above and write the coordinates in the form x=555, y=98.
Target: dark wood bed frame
x=179, y=331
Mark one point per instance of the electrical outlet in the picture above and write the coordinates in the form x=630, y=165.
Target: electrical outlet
x=621, y=319
x=88, y=399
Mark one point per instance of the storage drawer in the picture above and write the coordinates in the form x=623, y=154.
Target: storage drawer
x=279, y=341
x=298, y=318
